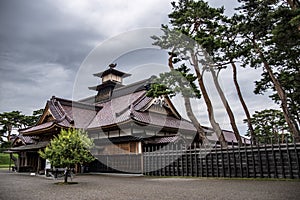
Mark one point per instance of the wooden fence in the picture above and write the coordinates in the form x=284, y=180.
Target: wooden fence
x=260, y=161
x=126, y=163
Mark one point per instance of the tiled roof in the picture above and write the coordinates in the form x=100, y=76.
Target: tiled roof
x=82, y=117
x=67, y=114
x=27, y=139
x=229, y=137
x=127, y=108
x=42, y=126
x=162, y=120
x=30, y=147
x=115, y=111
x=130, y=89
x=162, y=140
x=142, y=103
x=115, y=140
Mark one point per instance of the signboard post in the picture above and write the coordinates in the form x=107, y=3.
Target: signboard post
x=47, y=167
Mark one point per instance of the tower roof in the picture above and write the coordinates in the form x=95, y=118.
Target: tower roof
x=111, y=70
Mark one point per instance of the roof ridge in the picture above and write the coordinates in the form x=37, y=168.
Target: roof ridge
x=77, y=104
x=132, y=84
x=140, y=98
x=62, y=112
x=130, y=106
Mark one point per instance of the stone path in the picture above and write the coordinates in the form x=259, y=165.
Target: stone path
x=14, y=186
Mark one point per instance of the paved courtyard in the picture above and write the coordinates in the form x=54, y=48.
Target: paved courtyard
x=14, y=186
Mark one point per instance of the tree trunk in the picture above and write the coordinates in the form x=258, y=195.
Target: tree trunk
x=280, y=92
x=208, y=103
x=9, y=129
x=66, y=175
x=248, y=116
x=226, y=105
x=294, y=4
x=188, y=108
x=193, y=119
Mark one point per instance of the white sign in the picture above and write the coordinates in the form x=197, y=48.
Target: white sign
x=48, y=164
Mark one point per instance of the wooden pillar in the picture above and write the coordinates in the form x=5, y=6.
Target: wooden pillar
x=38, y=164
x=10, y=157
x=26, y=158
x=140, y=150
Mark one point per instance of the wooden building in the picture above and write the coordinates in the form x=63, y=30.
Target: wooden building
x=121, y=119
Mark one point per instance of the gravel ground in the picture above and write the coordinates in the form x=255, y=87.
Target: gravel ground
x=15, y=186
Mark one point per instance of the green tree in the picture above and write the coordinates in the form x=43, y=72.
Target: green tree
x=179, y=81
x=15, y=119
x=290, y=82
x=270, y=37
x=70, y=147
x=269, y=124
x=10, y=120
x=33, y=119
x=193, y=26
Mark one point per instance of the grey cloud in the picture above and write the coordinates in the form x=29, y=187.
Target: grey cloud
x=43, y=43
x=40, y=49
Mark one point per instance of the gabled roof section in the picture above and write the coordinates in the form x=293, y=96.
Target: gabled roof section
x=72, y=113
x=23, y=140
x=115, y=111
x=33, y=147
x=134, y=107
x=63, y=113
x=160, y=104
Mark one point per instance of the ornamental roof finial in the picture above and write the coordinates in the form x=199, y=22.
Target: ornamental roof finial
x=113, y=65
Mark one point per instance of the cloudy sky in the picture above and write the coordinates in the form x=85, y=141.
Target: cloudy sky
x=50, y=47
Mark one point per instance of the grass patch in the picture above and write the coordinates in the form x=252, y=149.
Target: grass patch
x=4, y=158
x=4, y=166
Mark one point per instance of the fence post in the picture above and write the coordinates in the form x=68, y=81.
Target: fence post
x=206, y=162
x=181, y=161
x=297, y=158
x=222, y=158
x=217, y=162
x=267, y=160
x=200, y=160
x=185, y=162
x=178, y=159
x=274, y=159
x=260, y=161
x=144, y=168
x=253, y=159
x=241, y=161
x=192, y=162
x=174, y=159
x=211, y=164
x=159, y=152
x=247, y=162
x=147, y=162
x=289, y=157
x=234, y=160
x=186, y=153
x=228, y=161
x=196, y=161
x=281, y=160
x=155, y=161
